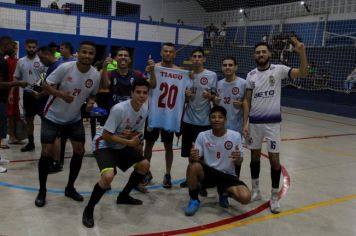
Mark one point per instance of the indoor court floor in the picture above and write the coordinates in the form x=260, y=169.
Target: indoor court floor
x=318, y=191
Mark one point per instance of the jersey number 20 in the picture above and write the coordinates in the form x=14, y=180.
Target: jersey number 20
x=170, y=92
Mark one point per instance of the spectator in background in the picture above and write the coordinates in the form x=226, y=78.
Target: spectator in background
x=54, y=5
x=350, y=81
x=53, y=46
x=13, y=110
x=222, y=33
x=66, y=51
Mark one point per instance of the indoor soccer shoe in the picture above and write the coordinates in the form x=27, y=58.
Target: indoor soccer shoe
x=274, y=206
x=88, y=219
x=192, y=208
x=255, y=194
x=167, y=182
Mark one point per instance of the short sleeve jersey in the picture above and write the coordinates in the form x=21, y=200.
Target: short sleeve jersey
x=30, y=70
x=198, y=108
x=229, y=92
x=216, y=151
x=68, y=78
x=122, y=116
x=266, y=93
x=120, y=85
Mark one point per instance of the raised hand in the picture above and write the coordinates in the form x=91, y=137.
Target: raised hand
x=298, y=46
x=236, y=155
x=237, y=103
x=150, y=65
x=194, y=154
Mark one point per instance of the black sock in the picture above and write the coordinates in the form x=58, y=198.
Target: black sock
x=194, y=193
x=255, y=169
x=63, y=149
x=43, y=168
x=275, y=176
x=237, y=171
x=30, y=139
x=75, y=165
x=134, y=180
x=96, y=195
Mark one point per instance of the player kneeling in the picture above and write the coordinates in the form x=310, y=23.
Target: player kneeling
x=212, y=163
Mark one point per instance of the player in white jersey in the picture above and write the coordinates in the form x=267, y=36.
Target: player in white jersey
x=29, y=68
x=70, y=85
x=151, y=136
x=119, y=144
x=264, y=98
x=230, y=95
x=198, y=102
x=212, y=162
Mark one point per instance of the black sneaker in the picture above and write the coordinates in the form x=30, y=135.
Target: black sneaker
x=167, y=182
x=148, y=178
x=141, y=188
x=28, y=147
x=73, y=194
x=128, y=200
x=88, y=219
x=40, y=199
x=55, y=167
x=184, y=184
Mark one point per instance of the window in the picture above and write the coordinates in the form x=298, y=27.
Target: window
x=35, y=3
x=102, y=7
x=127, y=9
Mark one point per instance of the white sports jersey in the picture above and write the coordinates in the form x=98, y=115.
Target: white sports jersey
x=81, y=85
x=122, y=116
x=198, y=107
x=266, y=93
x=217, y=150
x=166, y=101
x=30, y=70
x=229, y=92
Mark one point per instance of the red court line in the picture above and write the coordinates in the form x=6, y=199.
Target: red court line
x=282, y=192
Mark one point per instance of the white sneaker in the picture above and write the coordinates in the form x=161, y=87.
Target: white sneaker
x=2, y=169
x=255, y=195
x=274, y=205
x=4, y=161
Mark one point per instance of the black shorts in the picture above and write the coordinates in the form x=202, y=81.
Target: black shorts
x=189, y=134
x=214, y=177
x=33, y=106
x=152, y=135
x=109, y=158
x=50, y=131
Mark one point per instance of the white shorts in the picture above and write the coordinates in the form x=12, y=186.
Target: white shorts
x=271, y=132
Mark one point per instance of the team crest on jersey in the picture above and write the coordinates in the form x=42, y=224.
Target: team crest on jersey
x=36, y=64
x=235, y=90
x=203, y=80
x=271, y=80
x=228, y=145
x=89, y=83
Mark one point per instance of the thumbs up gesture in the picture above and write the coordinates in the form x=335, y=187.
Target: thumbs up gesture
x=236, y=155
x=194, y=154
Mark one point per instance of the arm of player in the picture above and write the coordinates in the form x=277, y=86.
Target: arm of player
x=194, y=154
x=246, y=110
x=65, y=95
x=150, y=69
x=302, y=71
x=236, y=155
x=105, y=81
x=113, y=138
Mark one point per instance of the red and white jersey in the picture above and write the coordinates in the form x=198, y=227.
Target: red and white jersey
x=29, y=70
x=217, y=150
x=166, y=102
x=229, y=92
x=80, y=85
x=198, y=107
x=266, y=93
x=122, y=116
